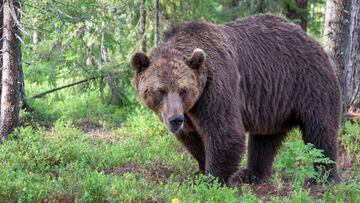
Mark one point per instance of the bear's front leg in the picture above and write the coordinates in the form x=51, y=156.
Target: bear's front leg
x=193, y=143
x=223, y=139
x=222, y=157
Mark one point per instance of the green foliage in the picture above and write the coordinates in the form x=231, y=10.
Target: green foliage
x=64, y=163
x=256, y=7
x=80, y=39
x=300, y=196
x=82, y=105
x=138, y=162
x=344, y=192
x=295, y=162
x=201, y=191
x=92, y=187
x=350, y=139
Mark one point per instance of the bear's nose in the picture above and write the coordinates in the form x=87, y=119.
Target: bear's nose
x=176, y=121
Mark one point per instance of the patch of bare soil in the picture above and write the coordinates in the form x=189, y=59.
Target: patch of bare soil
x=119, y=171
x=102, y=134
x=154, y=173
x=317, y=191
x=158, y=173
x=345, y=163
x=96, y=131
x=88, y=126
x=265, y=191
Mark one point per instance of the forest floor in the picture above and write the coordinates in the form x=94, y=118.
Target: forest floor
x=263, y=191
x=85, y=151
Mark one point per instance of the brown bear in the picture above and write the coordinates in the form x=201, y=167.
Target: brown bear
x=210, y=84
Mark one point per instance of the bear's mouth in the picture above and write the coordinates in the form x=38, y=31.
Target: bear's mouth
x=175, y=129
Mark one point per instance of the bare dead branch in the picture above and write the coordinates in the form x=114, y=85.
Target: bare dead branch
x=75, y=83
x=65, y=86
x=352, y=112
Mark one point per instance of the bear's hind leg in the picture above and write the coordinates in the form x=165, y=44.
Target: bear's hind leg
x=323, y=135
x=261, y=152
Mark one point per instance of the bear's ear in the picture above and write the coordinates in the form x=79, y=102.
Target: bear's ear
x=140, y=61
x=197, y=59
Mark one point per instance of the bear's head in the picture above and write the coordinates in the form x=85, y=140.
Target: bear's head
x=169, y=87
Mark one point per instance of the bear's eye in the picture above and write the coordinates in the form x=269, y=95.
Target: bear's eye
x=183, y=92
x=161, y=93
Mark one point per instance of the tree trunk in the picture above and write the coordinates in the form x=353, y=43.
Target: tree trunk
x=234, y=9
x=336, y=39
x=234, y=3
x=142, y=35
x=18, y=53
x=21, y=83
x=353, y=58
x=111, y=79
x=103, y=50
x=302, y=4
x=261, y=6
x=1, y=45
x=298, y=13
x=35, y=37
x=10, y=96
x=157, y=25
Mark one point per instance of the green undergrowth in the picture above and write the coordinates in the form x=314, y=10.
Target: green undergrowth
x=136, y=160
x=77, y=104
x=350, y=139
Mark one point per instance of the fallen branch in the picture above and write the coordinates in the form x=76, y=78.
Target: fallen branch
x=66, y=86
x=104, y=75
x=352, y=114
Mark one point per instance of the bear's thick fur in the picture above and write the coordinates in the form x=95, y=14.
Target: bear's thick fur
x=209, y=84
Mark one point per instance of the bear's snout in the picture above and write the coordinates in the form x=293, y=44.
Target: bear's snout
x=175, y=122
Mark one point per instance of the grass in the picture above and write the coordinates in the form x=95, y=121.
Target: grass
x=133, y=159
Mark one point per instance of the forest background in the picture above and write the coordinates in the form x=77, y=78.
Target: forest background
x=72, y=128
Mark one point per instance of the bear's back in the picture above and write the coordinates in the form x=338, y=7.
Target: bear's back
x=283, y=71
